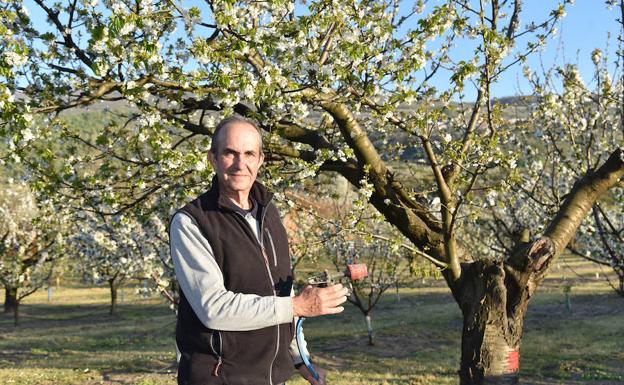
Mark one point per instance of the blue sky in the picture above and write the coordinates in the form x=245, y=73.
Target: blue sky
x=585, y=27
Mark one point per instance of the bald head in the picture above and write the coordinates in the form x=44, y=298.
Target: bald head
x=217, y=136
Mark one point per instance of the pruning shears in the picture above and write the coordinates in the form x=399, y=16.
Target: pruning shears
x=353, y=273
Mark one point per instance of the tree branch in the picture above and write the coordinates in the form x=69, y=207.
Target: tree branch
x=582, y=197
x=386, y=198
x=67, y=38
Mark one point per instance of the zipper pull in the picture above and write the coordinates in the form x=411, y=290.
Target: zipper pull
x=215, y=370
x=264, y=254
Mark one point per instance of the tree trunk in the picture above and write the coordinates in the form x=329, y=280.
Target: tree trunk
x=619, y=289
x=493, y=304
x=493, y=296
x=16, y=313
x=369, y=327
x=398, y=294
x=10, y=300
x=113, y=292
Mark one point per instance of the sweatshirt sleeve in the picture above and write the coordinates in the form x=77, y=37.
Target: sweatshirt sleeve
x=201, y=281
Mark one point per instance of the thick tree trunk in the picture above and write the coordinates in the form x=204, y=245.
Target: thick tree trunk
x=10, y=299
x=492, y=330
x=493, y=297
x=113, y=291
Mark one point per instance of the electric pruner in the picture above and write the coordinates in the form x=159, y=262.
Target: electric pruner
x=352, y=273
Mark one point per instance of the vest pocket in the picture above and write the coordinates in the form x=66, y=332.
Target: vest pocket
x=198, y=370
x=216, y=345
x=272, y=247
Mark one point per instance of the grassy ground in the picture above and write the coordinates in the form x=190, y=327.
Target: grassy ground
x=72, y=340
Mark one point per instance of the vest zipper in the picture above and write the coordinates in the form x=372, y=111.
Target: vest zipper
x=215, y=370
x=268, y=269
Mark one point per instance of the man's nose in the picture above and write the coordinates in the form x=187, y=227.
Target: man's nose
x=238, y=162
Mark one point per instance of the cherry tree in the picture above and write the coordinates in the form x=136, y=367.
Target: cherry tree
x=385, y=263
x=346, y=230
x=601, y=240
x=116, y=249
x=344, y=87
x=30, y=242
x=569, y=131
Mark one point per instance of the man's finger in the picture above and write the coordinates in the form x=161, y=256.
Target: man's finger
x=333, y=288
x=333, y=291
x=335, y=302
x=334, y=310
x=332, y=299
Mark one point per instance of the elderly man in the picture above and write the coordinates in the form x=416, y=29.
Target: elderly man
x=231, y=258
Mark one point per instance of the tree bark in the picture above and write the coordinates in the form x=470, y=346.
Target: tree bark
x=491, y=335
x=16, y=314
x=113, y=291
x=10, y=299
x=494, y=297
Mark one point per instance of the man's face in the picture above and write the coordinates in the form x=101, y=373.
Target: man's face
x=238, y=158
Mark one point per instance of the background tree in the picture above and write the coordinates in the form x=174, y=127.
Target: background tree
x=346, y=230
x=30, y=242
x=601, y=240
x=329, y=85
x=383, y=260
x=116, y=249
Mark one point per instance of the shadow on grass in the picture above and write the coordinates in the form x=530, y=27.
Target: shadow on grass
x=421, y=335
x=139, y=337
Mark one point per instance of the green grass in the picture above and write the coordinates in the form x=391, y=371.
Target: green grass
x=72, y=340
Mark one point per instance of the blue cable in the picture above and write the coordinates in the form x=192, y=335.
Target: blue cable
x=304, y=356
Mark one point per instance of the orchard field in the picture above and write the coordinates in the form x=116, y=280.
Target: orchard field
x=386, y=140
x=73, y=340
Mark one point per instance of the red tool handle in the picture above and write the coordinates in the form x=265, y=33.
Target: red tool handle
x=357, y=271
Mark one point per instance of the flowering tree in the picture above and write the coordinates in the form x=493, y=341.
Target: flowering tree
x=569, y=132
x=601, y=240
x=328, y=81
x=30, y=241
x=347, y=231
x=385, y=263
x=115, y=249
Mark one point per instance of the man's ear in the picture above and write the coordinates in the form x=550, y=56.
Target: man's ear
x=212, y=158
x=261, y=158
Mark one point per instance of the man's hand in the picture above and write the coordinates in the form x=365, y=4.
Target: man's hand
x=305, y=373
x=315, y=301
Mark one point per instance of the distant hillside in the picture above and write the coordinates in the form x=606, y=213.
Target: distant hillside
x=517, y=100
x=124, y=106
